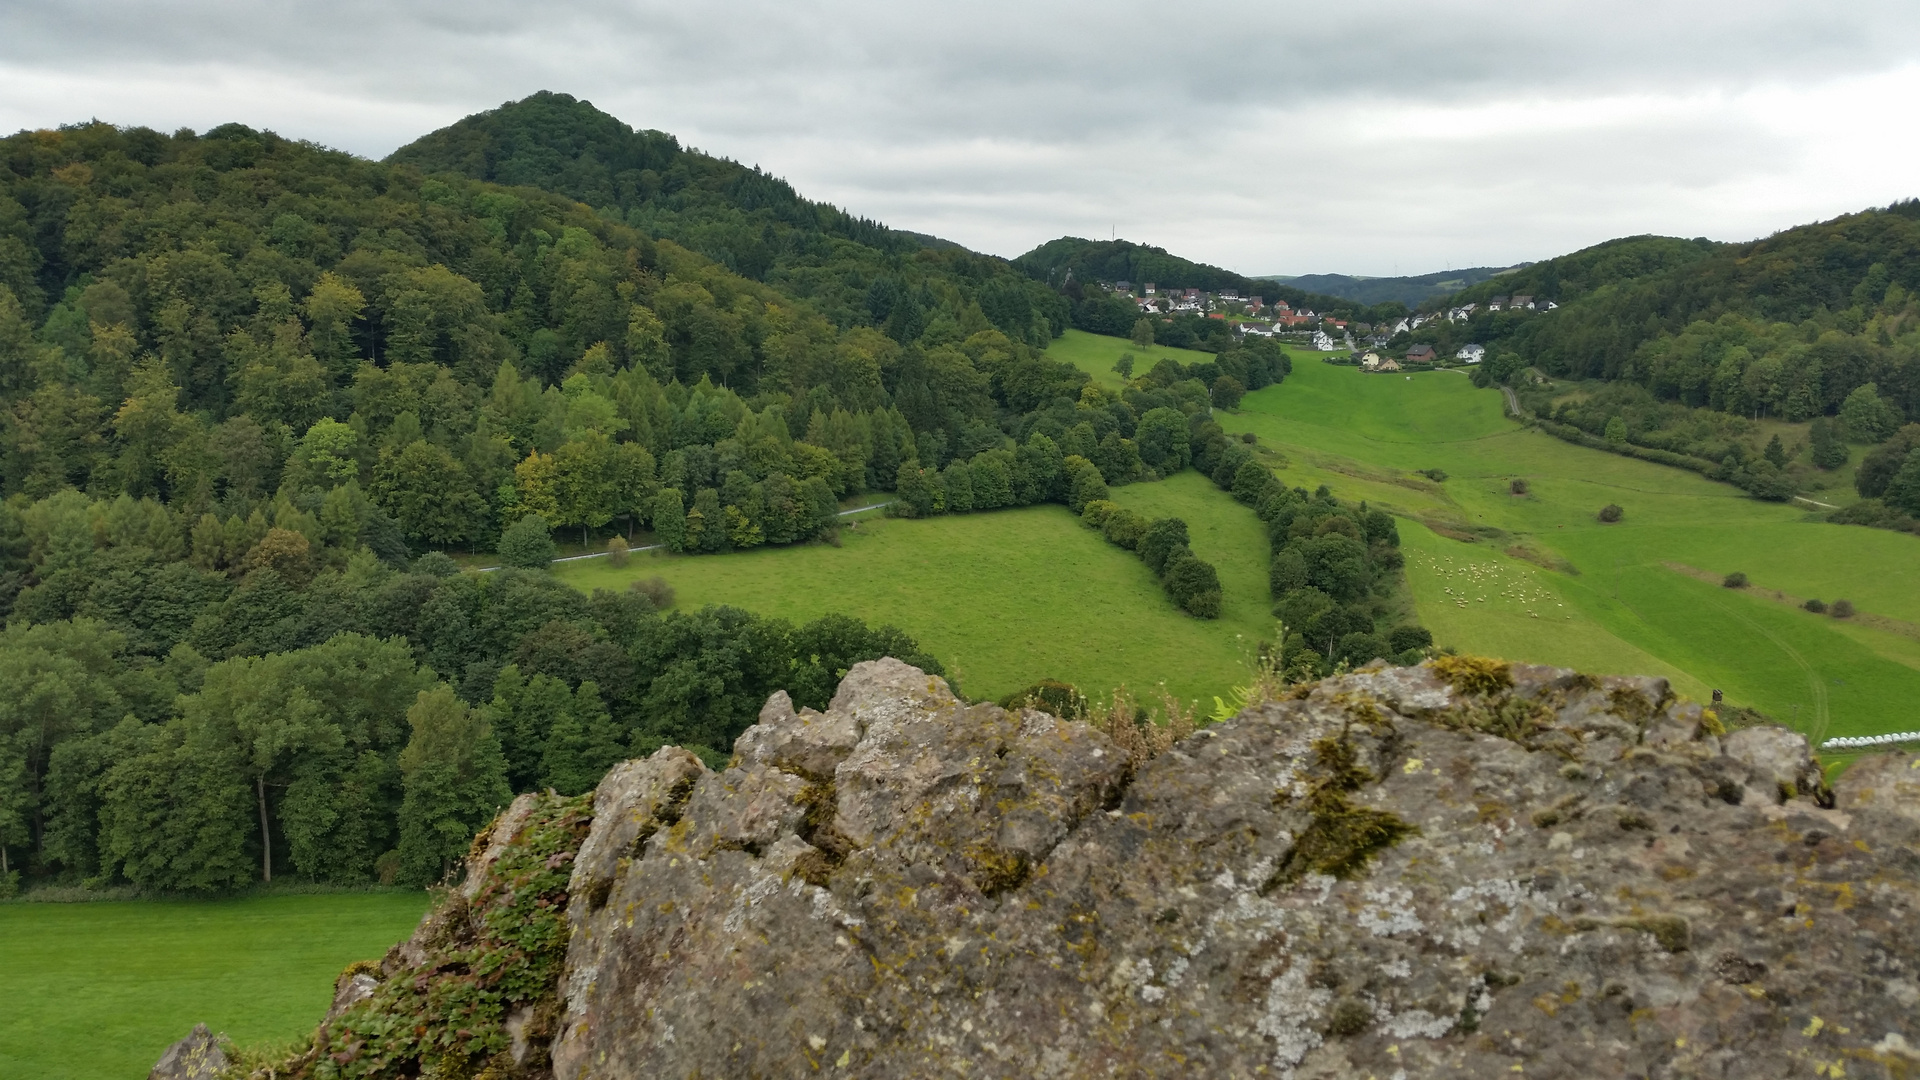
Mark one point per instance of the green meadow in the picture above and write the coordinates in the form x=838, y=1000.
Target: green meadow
x=1538, y=577
x=1007, y=597
x=1095, y=354
x=1012, y=596
x=96, y=991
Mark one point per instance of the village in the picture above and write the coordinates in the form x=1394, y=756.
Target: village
x=1253, y=316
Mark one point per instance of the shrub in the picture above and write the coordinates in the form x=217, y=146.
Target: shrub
x=1517, y=486
x=1160, y=541
x=1611, y=513
x=1052, y=696
x=617, y=551
x=1816, y=605
x=657, y=590
x=527, y=543
x=1438, y=476
x=1735, y=580
x=1841, y=609
x=1402, y=638
x=1249, y=438
x=437, y=563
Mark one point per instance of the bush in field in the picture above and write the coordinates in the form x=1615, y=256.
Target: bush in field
x=1735, y=580
x=1841, y=609
x=1611, y=513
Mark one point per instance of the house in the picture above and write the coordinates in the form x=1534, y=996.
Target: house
x=1255, y=329
x=1256, y=302
x=1388, y=365
x=1123, y=286
x=1368, y=360
x=1230, y=295
x=1461, y=313
x=1472, y=354
x=1420, y=354
x=1522, y=302
x=1148, y=287
x=1193, y=294
x=1496, y=303
x=1401, y=327
x=1322, y=341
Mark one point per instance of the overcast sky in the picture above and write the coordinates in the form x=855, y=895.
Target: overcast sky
x=1364, y=136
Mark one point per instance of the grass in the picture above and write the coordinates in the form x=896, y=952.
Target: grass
x=100, y=989
x=1096, y=353
x=1616, y=603
x=1005, y=597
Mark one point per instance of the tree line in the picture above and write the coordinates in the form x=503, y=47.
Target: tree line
x=332, y=717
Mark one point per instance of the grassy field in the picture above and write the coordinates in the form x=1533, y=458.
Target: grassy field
x=1095, y=354
x=1007, y=597
x=1560, y=587
x=96, y=991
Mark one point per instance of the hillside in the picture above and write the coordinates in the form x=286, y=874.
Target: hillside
x=1123, y=260
x=853, y=270
x=1825, y=301
x=1411, y=290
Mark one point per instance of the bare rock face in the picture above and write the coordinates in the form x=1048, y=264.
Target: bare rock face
x=199, y=1056
x=1468, y=869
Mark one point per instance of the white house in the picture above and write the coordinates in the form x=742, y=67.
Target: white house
x=1402, y=326
x=1472, y=354
x=1322, y=341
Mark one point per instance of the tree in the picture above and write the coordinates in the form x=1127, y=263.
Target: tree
x=1829, y=450
x=1124, y=365
x=1084, y=482
x=1143, y=333
x=455, y=780
x=1866, y=416
x=1163, y=440
x=1776, y=453
x=587, y=488
x=581, y=743
x=427, y=492
x=1903, y=491
x=669, y=516
x=1226, y=392
x=1616, y=431
x=527, y=543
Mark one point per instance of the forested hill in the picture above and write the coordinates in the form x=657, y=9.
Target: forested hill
x=1621, y=302
x=744, y=218
x=1124, y=260
x=1412, y=291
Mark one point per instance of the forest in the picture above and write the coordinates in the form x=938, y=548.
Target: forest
x=1816, y=323
x=253, y=392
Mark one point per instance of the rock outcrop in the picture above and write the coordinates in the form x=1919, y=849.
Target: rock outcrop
x=1461, y=869
x=198, y=1056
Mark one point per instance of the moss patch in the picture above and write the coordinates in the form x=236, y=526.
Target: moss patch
x=1475, y=676
x=1341, y=839
x=487, y=959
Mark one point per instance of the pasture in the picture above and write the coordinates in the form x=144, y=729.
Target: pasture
x=96, y=991
x=1005, y=597
x=1638, y=596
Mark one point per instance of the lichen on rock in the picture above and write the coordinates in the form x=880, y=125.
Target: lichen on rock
x=1452, y=870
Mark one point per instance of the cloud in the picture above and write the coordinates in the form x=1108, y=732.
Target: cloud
x=1362, y=136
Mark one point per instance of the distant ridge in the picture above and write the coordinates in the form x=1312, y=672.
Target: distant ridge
x=1411, y=290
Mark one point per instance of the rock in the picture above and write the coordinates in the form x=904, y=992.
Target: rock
x=1779, y=763
x=1456, y=870
x=349, y=990
x=199, y=1056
